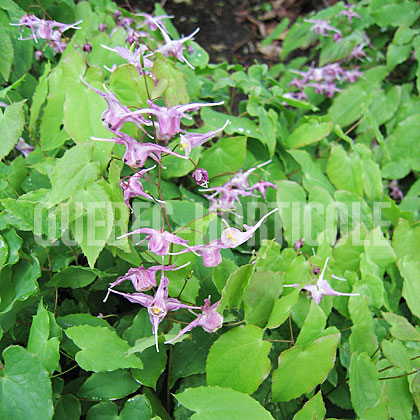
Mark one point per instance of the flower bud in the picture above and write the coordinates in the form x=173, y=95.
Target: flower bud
x=299, y=244
x=39, y=55
x=87, y=48
x=102, y=27
x=117, y=14
x=201, y=177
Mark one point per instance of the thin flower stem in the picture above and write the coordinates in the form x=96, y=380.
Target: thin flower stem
x=399, y=376
x=279, y=341
x=292, y=340
x=63, y=373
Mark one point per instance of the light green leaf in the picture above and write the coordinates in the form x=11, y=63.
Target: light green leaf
x=216, y=403
x=401, y=329
x=39, y=97
x=6, y=53
x=314, y=409
x=344, y=171
x=108, y=385
x=232, y=292
x=25, y=388
x=73, y=172
x=101, y=349
x=308, y=133
x=227, y=155
x=378, y=249
x=11, y=126
x=313, y=327
x=40, y=341
x=396, y=13
x=396, y=353
x=238, y=359
x=410, y=270
x=397, y=54
x=93, y=222
x=365, y=388
x=281, y=309
x=304, y=368
x=260, y=296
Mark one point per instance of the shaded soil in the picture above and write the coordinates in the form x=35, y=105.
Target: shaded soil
x=232, y=29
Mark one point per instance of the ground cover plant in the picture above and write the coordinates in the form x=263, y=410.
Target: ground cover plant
x=181, y=239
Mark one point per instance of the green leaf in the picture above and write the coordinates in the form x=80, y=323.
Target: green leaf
x=400, y=400
x=40, y=341
x=222, y=272
x=365, y=388
x=238, y=359
x=73, y=172
x=314, y=409
x=396, y=14
x=19, y=284
x=76, y=277
x=4, y=251
x=101, y=349
x=396, y=353
x=401, y=329
x=14, y=85
x=137, y=408
x=196, y=55
x=410, y=270
x=406, y=239
x=227, y=155
x=304, y=368
x=336, y=51
x=232, y=292
x=67, y=407
x=82, y=113
x=378, y=249
x=281, y=309
x=312, y=173
x=11, y=126
x=260, y=296
x=372, y=180
x=397, y=54
x=129, y=86
x=313, y=326
x=39, y=97
x=216, y=403
x=6, y=53
x=166, y=73
x=345, y=172
x=103, y=411
x=108, y=385
x=92, y=225
x=25, y=388
x=415, y=389
x=308, y=133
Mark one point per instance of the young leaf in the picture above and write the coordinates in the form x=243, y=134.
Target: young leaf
x=11, y=126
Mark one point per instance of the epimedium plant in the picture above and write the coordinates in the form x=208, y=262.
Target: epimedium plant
x=246, y=183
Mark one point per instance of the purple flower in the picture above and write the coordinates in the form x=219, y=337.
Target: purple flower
x=349, y=12
x=322, y=288
x=137, y=153
x=133, y=57
x=352, y=75
x=24, y=147
x=153, y=21
x=228, y=196
x=134, y=188
x=144, y=278
x=240, y=179
x=261, y=186
x=39, y=55
x=169, y=119
x=191, y=140
x=174, y=48
x=116, y=115
x=209, y=319
x=337, y=37
x=102, y=27
x=232, y=237
x=321, y=26
x=201, y=177
x=396, y=192
x=87, y=47
x=358, y=52
x=157, y=306
x=159, y=241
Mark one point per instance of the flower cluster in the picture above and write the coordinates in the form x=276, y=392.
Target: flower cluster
x=325, y=79
x=50, y=30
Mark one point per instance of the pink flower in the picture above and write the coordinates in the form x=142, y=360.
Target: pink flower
x=137, y=153
x=191, y=140
x=349, y=12
x=153, y=21
x=169, y=119
x=134, y=188
x=261, y=186
x=321, y=288
x=116, y=115
x=209, y=319
x=144, y=278
x=159, y=241
x=157, y=306
x=201, y=177
x=321, y=26
x=24, y=147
